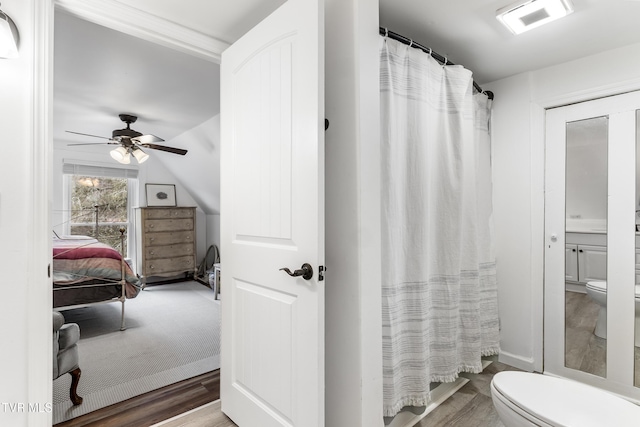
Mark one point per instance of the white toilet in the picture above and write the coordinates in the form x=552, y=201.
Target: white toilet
x=526, y=399
x=597, y=291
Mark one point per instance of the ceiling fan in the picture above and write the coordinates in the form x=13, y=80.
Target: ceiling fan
x=131, y=142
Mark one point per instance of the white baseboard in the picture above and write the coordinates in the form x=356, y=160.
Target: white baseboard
x=526, y=364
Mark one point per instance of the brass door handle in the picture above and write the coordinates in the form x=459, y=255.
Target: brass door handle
x=306, y=271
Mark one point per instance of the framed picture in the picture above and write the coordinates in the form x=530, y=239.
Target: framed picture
x=161, y=194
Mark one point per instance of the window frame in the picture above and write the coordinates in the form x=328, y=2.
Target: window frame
x=132, y=195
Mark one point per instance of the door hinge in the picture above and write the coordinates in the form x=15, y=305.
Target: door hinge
x=321, y=271
x=49, y=271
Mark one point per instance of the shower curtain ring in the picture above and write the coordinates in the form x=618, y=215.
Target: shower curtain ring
x=410, y=43
x=445, y=61
x=386, y=32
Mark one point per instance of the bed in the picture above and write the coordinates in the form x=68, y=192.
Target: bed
x=86, y=271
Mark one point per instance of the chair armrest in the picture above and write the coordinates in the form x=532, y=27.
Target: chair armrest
x=69, y=335
x=58, y=321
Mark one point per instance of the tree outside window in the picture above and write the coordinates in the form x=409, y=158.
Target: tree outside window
x=107, y=196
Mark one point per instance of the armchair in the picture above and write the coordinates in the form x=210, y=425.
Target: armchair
x=65, y=353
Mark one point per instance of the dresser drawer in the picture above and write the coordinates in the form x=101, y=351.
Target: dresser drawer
x=169, y=251
x=169, y=265
x=168, y=213
x=154, y=225
x=168, y=238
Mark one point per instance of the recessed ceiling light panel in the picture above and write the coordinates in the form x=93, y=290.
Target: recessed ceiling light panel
x=526, y=15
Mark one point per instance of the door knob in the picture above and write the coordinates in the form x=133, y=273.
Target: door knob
x=306, y=271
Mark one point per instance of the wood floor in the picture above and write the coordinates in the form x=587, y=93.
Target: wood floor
x=471, y=406
x=583, y=350
x=155, y=406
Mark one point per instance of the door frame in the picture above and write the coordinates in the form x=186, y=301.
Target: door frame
x=538, y=110
x=112, y=15
x=621, y=113
x=350, y=121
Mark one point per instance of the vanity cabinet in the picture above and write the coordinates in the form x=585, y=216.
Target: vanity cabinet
x=571, y=263
x=585, y=263
x=165, y=241
x=585, y=259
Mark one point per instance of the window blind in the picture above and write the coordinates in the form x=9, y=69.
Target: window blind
x=79, y=167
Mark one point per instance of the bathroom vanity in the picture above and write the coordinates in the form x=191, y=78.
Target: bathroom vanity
x=586, y=258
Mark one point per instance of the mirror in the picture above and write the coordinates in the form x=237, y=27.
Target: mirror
x=586, y=245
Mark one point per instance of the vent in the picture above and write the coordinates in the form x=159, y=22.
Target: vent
x=534, y=17
x=528, y=14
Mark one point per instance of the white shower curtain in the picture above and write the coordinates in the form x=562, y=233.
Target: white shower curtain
x=440, y=309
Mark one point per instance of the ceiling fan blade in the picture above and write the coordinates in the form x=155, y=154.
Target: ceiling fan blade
x=86, y=134
x=95, y=143
x=164, y=148
x=147, y=139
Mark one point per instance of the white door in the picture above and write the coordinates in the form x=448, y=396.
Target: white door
x=598, y=197
x=272, y=217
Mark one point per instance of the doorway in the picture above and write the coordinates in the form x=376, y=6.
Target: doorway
x=591, y=243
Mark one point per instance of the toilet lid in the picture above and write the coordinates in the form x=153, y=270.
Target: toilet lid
x=600, y=285
x=562, y=402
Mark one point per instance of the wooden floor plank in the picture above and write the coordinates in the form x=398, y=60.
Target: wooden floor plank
x=155, y=406
x=471, y=406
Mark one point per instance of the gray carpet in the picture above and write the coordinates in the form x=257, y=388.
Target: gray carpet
x=173, y=333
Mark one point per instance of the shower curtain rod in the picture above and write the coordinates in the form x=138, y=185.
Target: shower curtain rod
x=385, y=32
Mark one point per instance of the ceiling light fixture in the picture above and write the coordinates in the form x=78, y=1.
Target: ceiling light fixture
x=140, y=155
x=8, y=37
x=121, y=155
x=526, y=15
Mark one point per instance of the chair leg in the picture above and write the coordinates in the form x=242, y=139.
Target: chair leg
x=73, y=392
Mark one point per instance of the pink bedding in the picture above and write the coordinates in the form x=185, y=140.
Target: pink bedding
x=82, y=260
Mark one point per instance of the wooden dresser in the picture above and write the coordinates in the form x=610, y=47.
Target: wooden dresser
x=165, y=241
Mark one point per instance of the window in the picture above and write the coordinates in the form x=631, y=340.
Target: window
x=113, y=190
x=99, y=208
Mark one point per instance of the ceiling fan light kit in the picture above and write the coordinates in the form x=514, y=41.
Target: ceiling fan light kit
x=131, y=142
x=140, y=155
x=529, y=14
x=121, y=155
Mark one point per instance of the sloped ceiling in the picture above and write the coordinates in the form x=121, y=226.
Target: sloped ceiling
x=99, y=73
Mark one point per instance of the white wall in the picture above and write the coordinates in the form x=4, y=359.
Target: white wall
x=213, y=230
x=199, y=169
x=154, y=171
x=353, y=357
x=518, y=176
x=25, y=311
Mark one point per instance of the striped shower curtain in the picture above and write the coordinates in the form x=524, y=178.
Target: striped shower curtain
x=440, y=309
